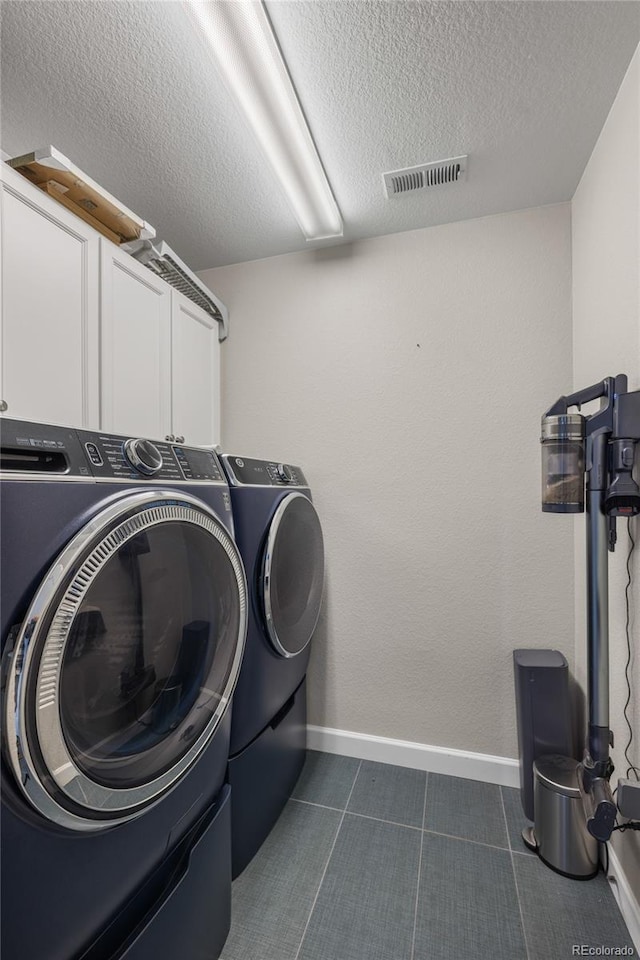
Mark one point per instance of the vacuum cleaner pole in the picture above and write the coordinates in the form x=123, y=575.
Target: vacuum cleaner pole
x=598, y=607
x=597, y=767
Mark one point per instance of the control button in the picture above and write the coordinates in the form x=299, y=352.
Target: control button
x=628, y=456
x=94, y=454
x=284, y=473
x=239, y=462
x=144, y=456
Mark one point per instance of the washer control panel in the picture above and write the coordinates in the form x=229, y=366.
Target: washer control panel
x=245, y=471
x=40, y=449
x=143, y=456
x=36, y=448
x=135, y=458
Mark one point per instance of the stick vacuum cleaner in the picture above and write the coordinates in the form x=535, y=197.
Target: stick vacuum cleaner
x=573, y=804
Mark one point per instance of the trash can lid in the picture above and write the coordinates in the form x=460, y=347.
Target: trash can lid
x=559, y=774
x=539, y=658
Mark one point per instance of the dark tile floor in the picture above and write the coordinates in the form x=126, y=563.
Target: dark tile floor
x=374, y=862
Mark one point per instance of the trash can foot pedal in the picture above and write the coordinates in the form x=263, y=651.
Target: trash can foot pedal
x=529, y=838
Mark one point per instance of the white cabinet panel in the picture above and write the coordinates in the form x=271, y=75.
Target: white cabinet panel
x=90, y=337
x=196, y=373
x=50, y=260
x=136, y=347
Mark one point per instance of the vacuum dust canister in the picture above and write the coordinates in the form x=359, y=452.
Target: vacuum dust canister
x=563, y=463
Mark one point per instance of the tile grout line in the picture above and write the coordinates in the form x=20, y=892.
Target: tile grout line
x=323, y=806
x=515, y=876
x=326, y=866
x=408, y=826
x=506, y=822
x=415, y=912
x=363, y=816
x=520, y=853
x=477, y=843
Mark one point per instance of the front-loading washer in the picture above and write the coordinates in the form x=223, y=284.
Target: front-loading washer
x=124, y=610
x=279, y=536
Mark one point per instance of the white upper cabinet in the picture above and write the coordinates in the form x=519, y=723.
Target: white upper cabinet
x=92, y=338
x=195, y=355
x=136, y=347
x=49, y=257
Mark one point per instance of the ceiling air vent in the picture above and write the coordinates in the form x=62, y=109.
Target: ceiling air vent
x=426, y=175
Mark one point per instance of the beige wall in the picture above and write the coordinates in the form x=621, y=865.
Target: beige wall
x=408, y=374
x=606, y=341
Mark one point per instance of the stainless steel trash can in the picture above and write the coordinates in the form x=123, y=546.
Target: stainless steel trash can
x=560, y=828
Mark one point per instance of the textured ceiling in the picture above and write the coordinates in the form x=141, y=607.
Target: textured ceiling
x=129, y=93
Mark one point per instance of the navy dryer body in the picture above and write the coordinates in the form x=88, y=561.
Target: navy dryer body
x=280, y=539
x=123, y=622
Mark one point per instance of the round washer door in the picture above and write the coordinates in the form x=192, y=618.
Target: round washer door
x=293, y=575
x=126, y=660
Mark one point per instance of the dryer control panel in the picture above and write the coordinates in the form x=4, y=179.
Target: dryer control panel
x=36, y=449
x=245, y=471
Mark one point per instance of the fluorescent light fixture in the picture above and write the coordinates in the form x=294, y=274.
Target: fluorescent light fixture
x=247, y=53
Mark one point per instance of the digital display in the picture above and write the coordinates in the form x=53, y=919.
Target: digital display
x=200, y=461
x=197, y=464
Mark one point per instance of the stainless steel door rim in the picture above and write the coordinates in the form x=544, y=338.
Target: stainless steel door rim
x=37, y=750
x=274, y=629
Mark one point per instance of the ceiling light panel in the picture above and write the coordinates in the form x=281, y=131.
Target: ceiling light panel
x=246, y=51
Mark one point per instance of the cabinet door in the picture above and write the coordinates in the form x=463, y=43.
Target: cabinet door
x=136, y=346
x=195, y=373
x=49, y=322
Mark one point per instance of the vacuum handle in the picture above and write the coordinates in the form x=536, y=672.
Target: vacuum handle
x=606, y=388
x=603, y=810
x=593, y=392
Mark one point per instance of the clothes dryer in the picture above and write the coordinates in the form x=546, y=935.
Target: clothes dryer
x=124, y=612
x=279, y=536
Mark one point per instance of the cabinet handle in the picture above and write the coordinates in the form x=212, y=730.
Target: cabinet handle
x=4, y=406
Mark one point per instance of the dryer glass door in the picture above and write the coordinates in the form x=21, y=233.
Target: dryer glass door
x=127, y=659
x=293, y=575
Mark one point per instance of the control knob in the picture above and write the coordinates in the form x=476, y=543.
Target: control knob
x=143, y=456
x=284, y=473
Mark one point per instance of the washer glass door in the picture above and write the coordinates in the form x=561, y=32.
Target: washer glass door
x=127, y=659
x=293, y=575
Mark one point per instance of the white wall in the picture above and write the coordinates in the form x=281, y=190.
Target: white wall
x=407, y=374
x=606, y=341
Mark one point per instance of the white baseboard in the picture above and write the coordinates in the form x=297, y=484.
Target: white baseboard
x=419, y=756
x=625, y=897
